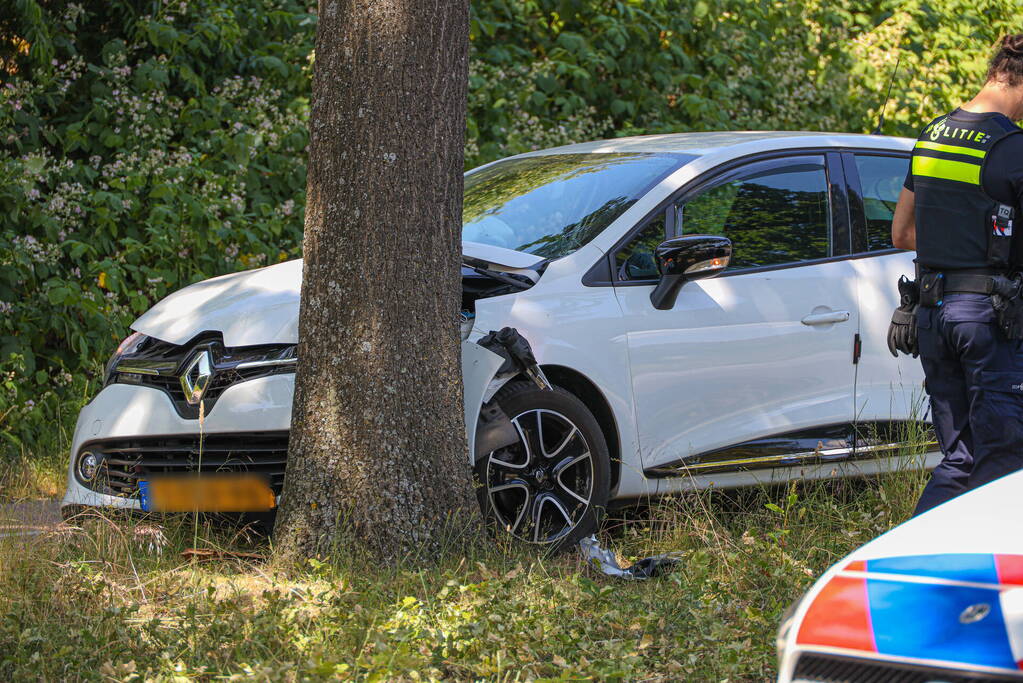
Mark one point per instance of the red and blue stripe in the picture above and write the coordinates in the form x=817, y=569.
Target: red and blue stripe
x=921, y=607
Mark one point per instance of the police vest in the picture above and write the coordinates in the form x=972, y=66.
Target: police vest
x=957, y=224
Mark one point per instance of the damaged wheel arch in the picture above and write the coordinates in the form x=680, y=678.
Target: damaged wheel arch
x=528, y=483
x=490, y=430
x=494, y=429
x=550, y=486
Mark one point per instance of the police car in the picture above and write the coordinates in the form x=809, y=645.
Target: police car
x=939, y=598
x=705, y=309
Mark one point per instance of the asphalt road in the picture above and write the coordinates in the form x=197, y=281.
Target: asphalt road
x=29, y=517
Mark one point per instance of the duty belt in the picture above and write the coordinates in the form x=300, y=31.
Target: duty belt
x=963, y=281
x=959, y=283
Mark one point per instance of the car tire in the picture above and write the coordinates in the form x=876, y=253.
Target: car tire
x=550, y=489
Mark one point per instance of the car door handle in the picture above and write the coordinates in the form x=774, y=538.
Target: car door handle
x=826, y=318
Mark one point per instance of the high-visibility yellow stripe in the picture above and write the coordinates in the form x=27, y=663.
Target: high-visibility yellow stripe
x=962, y=171
x=953, y=149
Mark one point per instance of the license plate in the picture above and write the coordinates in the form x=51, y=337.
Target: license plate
x=206, y=493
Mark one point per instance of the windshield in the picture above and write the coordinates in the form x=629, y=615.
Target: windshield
x=552, y=205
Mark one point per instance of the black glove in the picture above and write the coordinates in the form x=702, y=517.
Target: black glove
x=902, y=331
x=1007, y=300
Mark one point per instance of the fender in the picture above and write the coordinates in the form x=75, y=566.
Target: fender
x=491, y=429
x=479, y=383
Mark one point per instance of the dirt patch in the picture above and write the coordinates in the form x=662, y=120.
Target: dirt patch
x=29, y=517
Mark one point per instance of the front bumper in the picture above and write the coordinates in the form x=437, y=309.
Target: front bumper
x=254, y=407
x=952, y=617
x=826, y=667
x=122, y=411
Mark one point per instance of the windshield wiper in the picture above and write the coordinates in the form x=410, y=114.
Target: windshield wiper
x=519, y=281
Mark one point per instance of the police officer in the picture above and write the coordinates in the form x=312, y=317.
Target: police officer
x=957, y=210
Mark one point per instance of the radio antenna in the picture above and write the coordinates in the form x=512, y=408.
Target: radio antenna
x=880, y=122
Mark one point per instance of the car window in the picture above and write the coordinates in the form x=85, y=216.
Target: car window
x=635, y=261
x=775, y=213
x=550, y=205
x=881, y=181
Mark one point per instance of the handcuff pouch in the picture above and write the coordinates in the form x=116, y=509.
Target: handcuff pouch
x=932, y=289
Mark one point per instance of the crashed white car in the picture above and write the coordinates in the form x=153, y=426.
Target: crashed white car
x=937, y=599
x=627, y=368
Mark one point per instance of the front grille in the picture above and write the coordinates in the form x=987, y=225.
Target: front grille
x=129, y=460
x=227, y=377
x=159, y=365
x=813, y=668
x=222, y=379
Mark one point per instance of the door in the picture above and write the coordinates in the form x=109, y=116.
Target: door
x=889, y=391
x=762, y=350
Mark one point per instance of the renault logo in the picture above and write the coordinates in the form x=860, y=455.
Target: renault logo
x=974, y=613
x=196, y=378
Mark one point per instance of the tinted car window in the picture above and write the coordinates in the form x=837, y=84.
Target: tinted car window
x=881, y=181
x=775, y=213
x=552, y=205
x=635, y=261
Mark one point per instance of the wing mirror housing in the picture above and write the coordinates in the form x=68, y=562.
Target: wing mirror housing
x=691, y=257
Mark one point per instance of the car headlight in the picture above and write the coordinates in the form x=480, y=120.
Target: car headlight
x=88, y=466
x=787, y=619
x=129, y=345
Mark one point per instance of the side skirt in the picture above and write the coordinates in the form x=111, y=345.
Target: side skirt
x=799, y=449
x=782, y=475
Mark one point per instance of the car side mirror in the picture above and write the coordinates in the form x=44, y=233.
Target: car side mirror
x=691, y=257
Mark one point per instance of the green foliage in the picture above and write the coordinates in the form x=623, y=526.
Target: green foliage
x=547, y=72
x=944, y=49
x=570, y=69
x=145, y=145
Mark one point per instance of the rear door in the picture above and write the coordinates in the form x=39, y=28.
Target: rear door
x=766, y=348
x=889, y=391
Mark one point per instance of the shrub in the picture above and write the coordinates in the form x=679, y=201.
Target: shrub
x=143, y=146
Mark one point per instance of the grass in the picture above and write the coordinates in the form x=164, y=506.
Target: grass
x=114, y=599
x=40, y=471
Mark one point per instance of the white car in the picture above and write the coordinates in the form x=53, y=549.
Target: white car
x=601, y=256
x=937, y=599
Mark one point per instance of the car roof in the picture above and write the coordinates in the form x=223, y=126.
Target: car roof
x=700, y=144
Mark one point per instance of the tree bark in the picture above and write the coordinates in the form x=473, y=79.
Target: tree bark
x=378, y=450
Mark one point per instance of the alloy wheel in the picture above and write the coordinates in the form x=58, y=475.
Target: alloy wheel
x=541, y=487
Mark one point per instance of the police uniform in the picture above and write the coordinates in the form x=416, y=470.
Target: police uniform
x=967, y=179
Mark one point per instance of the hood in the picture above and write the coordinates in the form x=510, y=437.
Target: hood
x=252, y=307
x=261, y=306
x=502, y=260
x=944, y=589
x=981, y=521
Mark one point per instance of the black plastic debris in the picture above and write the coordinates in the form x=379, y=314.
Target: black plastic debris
x=493, y=430
x=646, y=568
x=517, y=354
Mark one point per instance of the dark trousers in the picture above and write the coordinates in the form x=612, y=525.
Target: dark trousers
x=975, y=380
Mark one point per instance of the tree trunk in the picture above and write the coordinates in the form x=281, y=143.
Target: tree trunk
x=378, y=445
